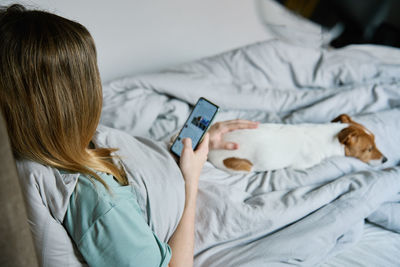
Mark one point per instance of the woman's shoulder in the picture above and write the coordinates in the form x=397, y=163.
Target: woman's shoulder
x=101, y=195
x=90, y=199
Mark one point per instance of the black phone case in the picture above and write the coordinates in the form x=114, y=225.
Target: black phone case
x=201, y=138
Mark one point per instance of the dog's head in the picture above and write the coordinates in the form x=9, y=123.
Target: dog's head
x=359, y=142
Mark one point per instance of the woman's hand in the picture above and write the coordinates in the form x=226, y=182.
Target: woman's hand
x=191, y=162
x=218, y=130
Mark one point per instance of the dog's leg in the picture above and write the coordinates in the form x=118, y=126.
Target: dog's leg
x=238, y=164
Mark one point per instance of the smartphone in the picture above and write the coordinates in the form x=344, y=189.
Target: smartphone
x=196, y=125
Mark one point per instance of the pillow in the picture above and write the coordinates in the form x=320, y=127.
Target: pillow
x=284, y=24
x=46, y=194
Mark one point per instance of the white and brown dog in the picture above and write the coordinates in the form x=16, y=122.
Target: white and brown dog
x=299, y=146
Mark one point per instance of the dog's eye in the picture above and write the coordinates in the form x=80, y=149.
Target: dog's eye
x=370, y=149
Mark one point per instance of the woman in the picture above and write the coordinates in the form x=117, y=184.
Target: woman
x=51, y=97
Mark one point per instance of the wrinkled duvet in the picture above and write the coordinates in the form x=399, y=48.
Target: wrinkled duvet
x=285, y=216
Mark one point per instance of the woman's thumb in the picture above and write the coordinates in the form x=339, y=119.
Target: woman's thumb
x=187, y=143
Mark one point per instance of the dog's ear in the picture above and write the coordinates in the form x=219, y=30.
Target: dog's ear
x=343, y=118
x=348, y=136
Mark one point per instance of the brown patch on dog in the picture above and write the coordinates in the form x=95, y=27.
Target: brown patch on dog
x=238, y=164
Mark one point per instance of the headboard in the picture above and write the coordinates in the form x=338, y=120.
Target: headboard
x=135, y=36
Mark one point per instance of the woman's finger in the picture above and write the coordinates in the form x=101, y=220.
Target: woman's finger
x=230, y=146
x=240, y=124
x=238, y=120
x=187, y=142
x=187, y=146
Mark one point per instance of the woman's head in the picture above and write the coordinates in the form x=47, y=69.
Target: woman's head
x=50, y=88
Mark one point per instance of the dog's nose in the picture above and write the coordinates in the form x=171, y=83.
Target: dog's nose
x=384, y=159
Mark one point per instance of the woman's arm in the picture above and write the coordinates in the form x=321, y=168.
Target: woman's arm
x=191, y=162
x=182, y=241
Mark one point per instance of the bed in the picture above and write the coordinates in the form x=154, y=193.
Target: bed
x=340, y=212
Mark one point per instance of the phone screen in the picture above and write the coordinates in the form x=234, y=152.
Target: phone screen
x=196, y=125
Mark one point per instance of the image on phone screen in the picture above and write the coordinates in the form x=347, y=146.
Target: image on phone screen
x=196, y=125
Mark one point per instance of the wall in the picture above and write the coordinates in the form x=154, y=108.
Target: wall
x=136, y=36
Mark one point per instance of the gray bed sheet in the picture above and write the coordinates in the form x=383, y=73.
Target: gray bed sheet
x=319, y=216
x=377, y=247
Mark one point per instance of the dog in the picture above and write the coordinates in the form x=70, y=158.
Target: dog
x=298, y=146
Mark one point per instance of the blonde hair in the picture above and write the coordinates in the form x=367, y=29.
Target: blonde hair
x=51, y=93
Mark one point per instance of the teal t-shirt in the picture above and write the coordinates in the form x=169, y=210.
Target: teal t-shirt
x=109, y=229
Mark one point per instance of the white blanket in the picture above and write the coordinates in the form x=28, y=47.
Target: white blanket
x=285, y=216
